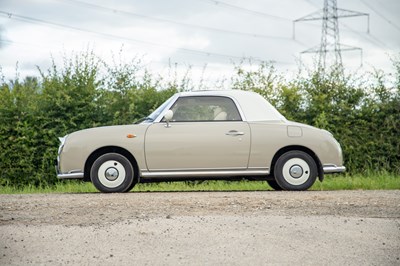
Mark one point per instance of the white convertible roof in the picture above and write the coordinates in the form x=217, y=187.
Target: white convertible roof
x=254, y=107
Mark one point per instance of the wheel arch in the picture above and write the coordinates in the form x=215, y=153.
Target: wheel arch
x=110, y=149
x=298, y=148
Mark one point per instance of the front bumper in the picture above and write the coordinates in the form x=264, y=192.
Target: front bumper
x=331, y=169
x=71, y=174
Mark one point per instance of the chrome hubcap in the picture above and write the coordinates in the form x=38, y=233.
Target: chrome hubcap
x=111, y=173
x=296, y=171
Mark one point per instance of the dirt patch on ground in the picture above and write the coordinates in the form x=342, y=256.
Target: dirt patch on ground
x=239, y=228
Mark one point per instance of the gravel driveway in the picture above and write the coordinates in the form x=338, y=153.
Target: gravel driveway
x=201, y=228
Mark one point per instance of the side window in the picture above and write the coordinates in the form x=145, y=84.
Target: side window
x=205, y=108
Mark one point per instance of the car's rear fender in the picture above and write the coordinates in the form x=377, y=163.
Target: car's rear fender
x=298, y=148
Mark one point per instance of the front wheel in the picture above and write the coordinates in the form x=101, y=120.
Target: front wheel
x=112, y=172
x=295, y=170
x=274, y=185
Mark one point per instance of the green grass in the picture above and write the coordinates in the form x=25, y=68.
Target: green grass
x=371, y=181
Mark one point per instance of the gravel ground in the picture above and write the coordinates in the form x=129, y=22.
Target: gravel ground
x=201, y=228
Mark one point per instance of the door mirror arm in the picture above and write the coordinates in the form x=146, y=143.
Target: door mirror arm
x=168, y=116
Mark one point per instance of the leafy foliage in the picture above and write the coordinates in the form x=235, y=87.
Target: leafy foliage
x=364, y=117
x=35, y=112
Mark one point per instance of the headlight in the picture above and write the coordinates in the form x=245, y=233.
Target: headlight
x=62, y=140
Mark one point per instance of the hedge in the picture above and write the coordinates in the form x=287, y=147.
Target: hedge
x=362, y=111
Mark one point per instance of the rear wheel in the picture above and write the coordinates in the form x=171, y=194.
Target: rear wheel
x=112, y=172
x=295, y=170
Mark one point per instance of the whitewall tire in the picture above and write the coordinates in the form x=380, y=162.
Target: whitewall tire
x=112, y=172
x=295, y=170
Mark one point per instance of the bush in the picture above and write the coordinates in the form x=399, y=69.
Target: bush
x=35, y=112
x=362, y=113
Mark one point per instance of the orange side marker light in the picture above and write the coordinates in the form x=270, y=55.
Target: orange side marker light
x=131, y=136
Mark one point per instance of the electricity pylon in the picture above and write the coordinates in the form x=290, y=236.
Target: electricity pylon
x=330, y=48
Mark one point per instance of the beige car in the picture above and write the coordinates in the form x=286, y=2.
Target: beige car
x=202, y=135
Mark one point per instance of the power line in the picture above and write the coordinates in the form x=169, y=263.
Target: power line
x=381, y=15
x=373, y=9
x=370, y=38
x=330, y=48
x=115, y=37
x=23, y=43
x=131, y=14
x=311, y=3
x=165, y=63
x=242, y=9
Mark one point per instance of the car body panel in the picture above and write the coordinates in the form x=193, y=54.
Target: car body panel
x=203, y=148
x=270, y=137
x=81, y=144
x=252, y=106
x=192, y=146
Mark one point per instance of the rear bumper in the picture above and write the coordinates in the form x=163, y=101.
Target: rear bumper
x=331, y=169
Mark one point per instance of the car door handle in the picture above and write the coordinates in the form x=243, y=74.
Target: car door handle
x=234, y=133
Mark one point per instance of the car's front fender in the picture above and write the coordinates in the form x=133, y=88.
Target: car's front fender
x=79, y=145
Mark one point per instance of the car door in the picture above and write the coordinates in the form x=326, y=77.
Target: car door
x=205, y=133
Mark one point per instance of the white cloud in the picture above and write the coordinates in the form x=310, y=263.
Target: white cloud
x=31, y=43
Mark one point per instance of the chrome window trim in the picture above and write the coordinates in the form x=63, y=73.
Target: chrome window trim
x=173, y=101
x=244, y=119
x=167, y=107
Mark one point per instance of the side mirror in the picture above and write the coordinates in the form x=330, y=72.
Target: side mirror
x=168, y=116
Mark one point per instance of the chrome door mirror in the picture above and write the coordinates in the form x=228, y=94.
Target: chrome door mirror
x=168, y=116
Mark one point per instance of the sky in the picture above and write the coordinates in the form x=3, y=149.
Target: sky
x=210, y=36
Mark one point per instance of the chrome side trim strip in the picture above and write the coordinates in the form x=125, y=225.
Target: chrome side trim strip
x=331, y=168
x=201, y=170
x=70, y=176
x=206, y=173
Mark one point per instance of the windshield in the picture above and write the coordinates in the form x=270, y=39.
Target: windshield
x=156, y=113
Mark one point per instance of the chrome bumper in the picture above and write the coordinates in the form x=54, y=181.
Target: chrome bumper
x=330, y=169
x=71, y=174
